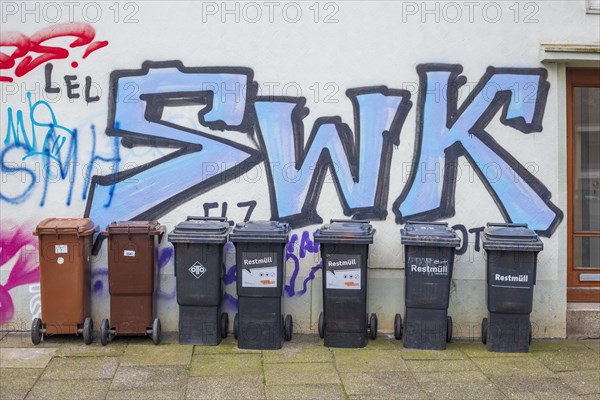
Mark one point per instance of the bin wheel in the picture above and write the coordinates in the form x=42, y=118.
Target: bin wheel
x=530, y=332
x=398, y=327
x=104, y=332
x=288, y=328
x=484, y=330
x=36, y=331
x=236, y=326
x=224, y=324
x=88, y=330
x=156, y=331
x=321, y=325
x=449, y=329
x=373, y=326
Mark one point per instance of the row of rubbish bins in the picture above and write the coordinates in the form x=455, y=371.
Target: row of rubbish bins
x=65, y=248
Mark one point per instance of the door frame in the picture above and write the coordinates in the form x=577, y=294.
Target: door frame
x=577, y=291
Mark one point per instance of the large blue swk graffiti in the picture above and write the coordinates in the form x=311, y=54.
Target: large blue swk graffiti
x=357, y=154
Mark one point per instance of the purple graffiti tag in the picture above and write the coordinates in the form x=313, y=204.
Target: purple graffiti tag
x=229, y=302
x=98, y=284
x=289, y=289
x=310, y=277
x=230, y=276
x=306, y=246
x=165, y=256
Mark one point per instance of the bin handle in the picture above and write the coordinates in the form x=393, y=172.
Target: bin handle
x=426, y=223
x=354, y=221
x=507, y=224
x=199, y=218
x=67, y=231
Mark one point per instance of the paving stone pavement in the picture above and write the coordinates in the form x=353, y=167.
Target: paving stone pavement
x=133, y=368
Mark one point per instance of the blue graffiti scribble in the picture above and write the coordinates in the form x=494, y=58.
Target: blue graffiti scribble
x=114, y=160
x=42, y=116
x=59, y=151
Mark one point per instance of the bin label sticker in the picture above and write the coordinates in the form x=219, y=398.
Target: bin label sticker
x=61, y=248
x=343, y=271
x=513, y=280
x=60, y=260
x=197, y=270
x=265, y=277
x=129, y=253
x=259, y=269
x=428, y=266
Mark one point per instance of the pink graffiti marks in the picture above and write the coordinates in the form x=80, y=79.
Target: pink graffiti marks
x=18, y=247
x=34, y=51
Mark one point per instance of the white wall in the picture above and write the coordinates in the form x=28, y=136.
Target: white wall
x=352, y=44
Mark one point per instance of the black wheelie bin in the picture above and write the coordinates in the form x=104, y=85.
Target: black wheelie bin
x=198, y=243
x=344, y=254
x=260, y=267
x=429, y=260
x=511, y=251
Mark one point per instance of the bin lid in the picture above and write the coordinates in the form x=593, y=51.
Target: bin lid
x=346, y=231
x=134, y=227
x=62, y=226
x=261, y=231
x=432, y=234
x=510, y=237
x=201, y=230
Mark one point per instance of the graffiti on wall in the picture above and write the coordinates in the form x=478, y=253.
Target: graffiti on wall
x=55, y=158
x=18, y=252
x=446, y=132
x=359, y=158
x=32, y=51
x=357, y=155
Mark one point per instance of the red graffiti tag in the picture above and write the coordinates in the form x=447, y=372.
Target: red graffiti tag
x=18, y=247
x=34, y=51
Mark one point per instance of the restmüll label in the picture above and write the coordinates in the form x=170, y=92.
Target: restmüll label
x=428, y=266
x=259, y=270
x=343, y=271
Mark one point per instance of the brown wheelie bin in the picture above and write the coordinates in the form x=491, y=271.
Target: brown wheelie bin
x=65, y=246
x=132, y=279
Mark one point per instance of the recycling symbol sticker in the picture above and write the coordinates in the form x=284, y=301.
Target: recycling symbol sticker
x=197, y=270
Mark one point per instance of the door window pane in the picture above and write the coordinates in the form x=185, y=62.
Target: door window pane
x=586, y=159
x=586, y=252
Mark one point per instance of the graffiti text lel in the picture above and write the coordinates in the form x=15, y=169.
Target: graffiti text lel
x=71, y=86
x=359, y=158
